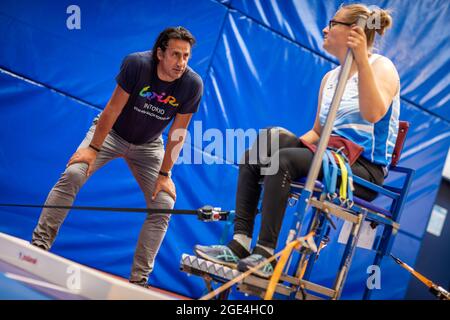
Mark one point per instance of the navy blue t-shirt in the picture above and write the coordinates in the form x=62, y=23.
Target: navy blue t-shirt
x=153, y=103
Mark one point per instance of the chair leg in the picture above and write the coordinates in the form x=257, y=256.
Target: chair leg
x=298, y=260
x=321, y=230
x=383, y=249
x=316, y=223
x=348, y=255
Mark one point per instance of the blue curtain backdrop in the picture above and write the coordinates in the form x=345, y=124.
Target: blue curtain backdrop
x=261, y=61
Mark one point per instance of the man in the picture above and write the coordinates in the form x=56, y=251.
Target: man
x=153, y=87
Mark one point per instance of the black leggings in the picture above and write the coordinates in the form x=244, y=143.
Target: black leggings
x=294, y=163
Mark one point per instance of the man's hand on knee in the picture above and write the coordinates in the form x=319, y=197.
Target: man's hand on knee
x=164, y=184
x=84, y=155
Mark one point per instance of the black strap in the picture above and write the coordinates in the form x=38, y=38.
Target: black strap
x=94, y=148
x=238, y=249
x=265, y=254
x=89, y=208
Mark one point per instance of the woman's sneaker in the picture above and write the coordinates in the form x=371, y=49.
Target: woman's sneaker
x=228, y=255
x=257, y=257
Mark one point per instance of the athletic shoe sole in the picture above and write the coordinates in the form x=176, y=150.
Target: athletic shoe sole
x=256, y=273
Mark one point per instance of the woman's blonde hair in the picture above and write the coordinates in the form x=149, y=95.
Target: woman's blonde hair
x=378, y=19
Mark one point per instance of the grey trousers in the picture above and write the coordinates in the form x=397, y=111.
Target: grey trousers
x=145, y=162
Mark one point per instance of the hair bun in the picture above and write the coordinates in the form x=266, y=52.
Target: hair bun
x=378, y=20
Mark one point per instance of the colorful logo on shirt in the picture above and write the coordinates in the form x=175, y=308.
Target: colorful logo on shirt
x=149, y=95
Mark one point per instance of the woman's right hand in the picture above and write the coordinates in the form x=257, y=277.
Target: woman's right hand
x=84, y=155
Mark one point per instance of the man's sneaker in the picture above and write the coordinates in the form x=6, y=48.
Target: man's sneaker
x=228, y=255
x=257, y=257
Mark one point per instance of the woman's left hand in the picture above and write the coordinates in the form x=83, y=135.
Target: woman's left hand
x=357, y=41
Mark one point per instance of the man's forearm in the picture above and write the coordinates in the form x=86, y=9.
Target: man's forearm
x=173, y=148
x=103, y=127
x=109, y=116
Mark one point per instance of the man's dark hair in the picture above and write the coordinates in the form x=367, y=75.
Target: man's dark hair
x=171, y=33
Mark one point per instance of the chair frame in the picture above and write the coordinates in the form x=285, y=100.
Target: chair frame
x=361, y=211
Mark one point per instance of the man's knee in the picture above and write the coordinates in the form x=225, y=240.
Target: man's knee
x=75, y=175
x=162, y=201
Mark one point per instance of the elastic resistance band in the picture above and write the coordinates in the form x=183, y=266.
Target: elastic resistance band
x=334, y=173
x=326, y=173
x=344, y=177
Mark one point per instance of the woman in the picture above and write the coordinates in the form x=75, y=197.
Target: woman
x=367, y=116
